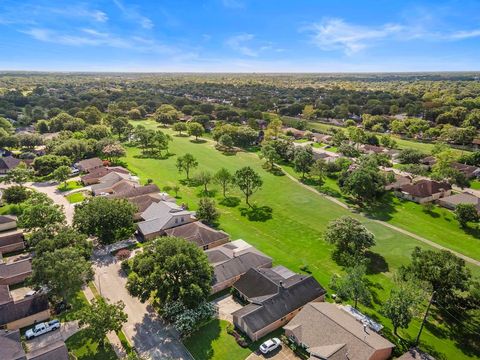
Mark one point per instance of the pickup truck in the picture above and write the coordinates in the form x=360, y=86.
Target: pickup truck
x=42, y=328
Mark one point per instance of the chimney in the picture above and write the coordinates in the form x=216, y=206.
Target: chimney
x=281, y=284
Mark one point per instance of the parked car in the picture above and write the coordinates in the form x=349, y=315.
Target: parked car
x=270, y=345
x=42, y=328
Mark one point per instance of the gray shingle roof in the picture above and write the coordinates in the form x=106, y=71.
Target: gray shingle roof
x=10, y=238
x=53, y=351
x=11, y=311
x=11, y=346
x=8, y=162
x=461, y=198
x=197, y=233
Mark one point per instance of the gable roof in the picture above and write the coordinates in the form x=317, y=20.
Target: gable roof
x=5, y=219
x=11, y=311
x=53, y=351
x=159, y=209
x=415, y=354
x=425, y=188
x=285, y=292
x=135, y=191
x=89, y=164
x=461, y=198
x=10, y=238
x=323, y=326
x=197, y=233
x=13, y=269
x=157, y=224
x=11, y=346
x=8, y=162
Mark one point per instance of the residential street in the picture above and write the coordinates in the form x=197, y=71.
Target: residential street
x=149, y=334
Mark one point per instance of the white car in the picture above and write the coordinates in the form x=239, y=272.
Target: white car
x=270, y=345
x=42, y=328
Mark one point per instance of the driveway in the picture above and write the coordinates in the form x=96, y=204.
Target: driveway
x=226, y=305
x=285, y=353
x=50, y=189
x=66, y=330
x=145, y=330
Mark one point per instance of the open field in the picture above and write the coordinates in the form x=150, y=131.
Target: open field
x=293, y=236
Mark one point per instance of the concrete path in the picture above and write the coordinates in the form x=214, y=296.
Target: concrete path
x=145, y=330
x=66, y=330
x=388, y=225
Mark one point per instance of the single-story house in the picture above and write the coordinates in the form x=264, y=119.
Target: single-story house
x=415, y=354
x=113, y=182
x=200, y=234
x=88, y=165
x=162, y=216
x=317, y=155
x=469, y=171
x=232, y=260
x=329, y=333
x=8, y=222
x=297, y=134
x=451, y=202
x=11, y=348
x=11, y=241
x=15, y=272
x=8, y=163
x=142, y=202
x=429, y=161
x=321, y=138
x=424, y=191
x=399, y=181
x=139, y=191
x=275, y=296
x=94, y=176
x=372, y=149
x=21, y=313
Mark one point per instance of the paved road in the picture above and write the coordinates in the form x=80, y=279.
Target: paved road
x=146, y=331
x=390, y=226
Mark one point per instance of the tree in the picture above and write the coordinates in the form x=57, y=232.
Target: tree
x=108, y=219
x=410, y=156
x=274, y=128
x=160, y=141
x=224, y=178
x=176, y=189
x=61, y=174
x=186, y=163
x=15, y=194
x=101, y=318
x=63, y=271
x=19, y=175
x=402, y=304
x=46, y=164
x=353, y=285
x=444, y=272
x=119, y=126
x=248, y=181
x=350, y=237
x=171, y=269
x=308, y=112
x=113, y=151
x=40, y=211
x=204, y=178
x=303, y=159
x=97, y=132
x=207, y=212
x=195, y=129
x=318, y=170
x=179, y=126
x=226, y=140
x=269, y=153
x=466, y=213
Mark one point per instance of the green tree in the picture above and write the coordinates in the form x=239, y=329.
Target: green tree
x=303, y=160
x=19, y=175
x=63, y=271
x=350, y=237
x=207, y=211
x=319, y=170
x=466, y=213
x=248, y=181
x=353, y=285
x=195, y=129
x=15, y=194
x=224, y=178
x=171, y=269
x=186, y=163
x=46, y=164
x=61, y=174
x=204, y=178
x=101, y=318
x=40, y=211
x=119, y=126
x=108, y=219
x=161, y=141
x=269, y=153
x=179, y=126
x=113, y=151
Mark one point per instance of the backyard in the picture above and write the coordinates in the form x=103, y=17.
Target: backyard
x=294, y=234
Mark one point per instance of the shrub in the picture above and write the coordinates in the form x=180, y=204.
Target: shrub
x=123, y=254
x=230, y=329
x=125, y=265
x=15, y=194
x=185, y=320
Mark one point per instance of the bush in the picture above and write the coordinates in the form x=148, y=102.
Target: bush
x=15, y=194
x=123, y=254
x=185, y=320
x=125, y=265
x=230, y=329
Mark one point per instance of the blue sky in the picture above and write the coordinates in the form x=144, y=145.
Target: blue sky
x=240, y=35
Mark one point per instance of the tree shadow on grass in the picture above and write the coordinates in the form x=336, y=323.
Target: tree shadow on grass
x=181, y=135
x=198, y=141
x=189, y=182
x=200, y=342
x=257, y=213
x=208, y=193
x=376, y=264
x=380, y=209
x=325, y=189
x=230, y=201
x=472, y=231
x=154, y=156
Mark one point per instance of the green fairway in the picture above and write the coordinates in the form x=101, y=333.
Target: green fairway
x=212, y=342
x=293, y=237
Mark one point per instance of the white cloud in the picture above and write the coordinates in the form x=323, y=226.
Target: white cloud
x=239, y=43
x=132, y=13
x=233, y=4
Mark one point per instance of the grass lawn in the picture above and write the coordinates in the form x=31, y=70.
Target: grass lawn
x=211, y=342
x=294, y=234
x=75, y=197
x=84, y=347
x=77, y=303
x=70, y=185
x=475, y=184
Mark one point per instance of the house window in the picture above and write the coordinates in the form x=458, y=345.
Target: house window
x=176, y=221
x=205, y=247
x=182, y=219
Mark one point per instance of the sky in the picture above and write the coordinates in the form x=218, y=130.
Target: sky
x=240, y=35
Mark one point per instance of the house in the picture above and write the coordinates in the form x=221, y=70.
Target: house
x=94, y=176
x=275, y=296
x=16, y=314
x=11, y=241
x=415, y=354
x=372, y=149
x=429, y=161
x=8, y=163
x=328, y=157
x=329, y=333
x=398, y=181
x=200, y=234
x=113, y=182
x=321, y=138
x=142, y=202
x=451, y=202
x=424, y=191
x=88, y=165
x=232, y=260
x=7, y=222
x=297, y=134
x=138, y=190
x=161, y=216
x=11, y=348
x=469, y=171
x=15, y=272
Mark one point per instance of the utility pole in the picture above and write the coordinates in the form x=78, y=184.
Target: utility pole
x=424, y=318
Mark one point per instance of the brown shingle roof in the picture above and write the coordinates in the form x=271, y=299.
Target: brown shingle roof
x=89, y=164
x=5, y=219
x=11, y=311
x=15, y=237
x=15, y=272
x=415, y=354
x=139, y=190
x=8, y=162
x=11, y=346
x=197, y=233
x=425, y=188
x=53, y=351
